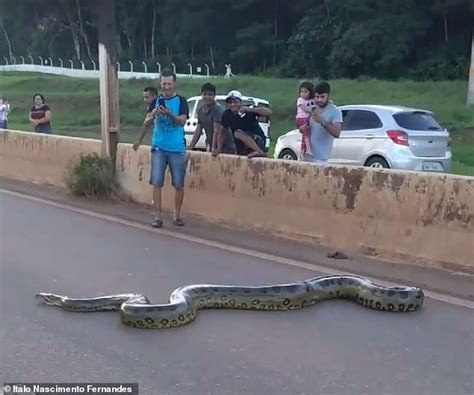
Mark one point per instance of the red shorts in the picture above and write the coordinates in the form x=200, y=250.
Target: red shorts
x=302, y=121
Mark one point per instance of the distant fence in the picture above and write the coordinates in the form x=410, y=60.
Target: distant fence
x=82, y=73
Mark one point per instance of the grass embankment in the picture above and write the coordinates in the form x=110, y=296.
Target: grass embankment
x=75, y=103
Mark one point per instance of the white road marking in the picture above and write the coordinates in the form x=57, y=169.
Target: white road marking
x=238, y=250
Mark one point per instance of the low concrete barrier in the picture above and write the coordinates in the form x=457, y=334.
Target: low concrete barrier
x=41, y=158
x=424, y=217
x=406, y=214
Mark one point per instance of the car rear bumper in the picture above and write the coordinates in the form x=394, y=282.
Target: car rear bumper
x=423, y=164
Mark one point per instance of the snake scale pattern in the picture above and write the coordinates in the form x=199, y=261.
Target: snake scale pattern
x=137, y=311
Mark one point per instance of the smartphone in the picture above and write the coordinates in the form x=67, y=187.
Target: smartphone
x=162, y=102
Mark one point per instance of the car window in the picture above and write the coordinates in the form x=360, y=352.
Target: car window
x=191, y=105
x=222, y=103
x=417, y=121
x=360, y=120
x=344, y=119
x=264, y=119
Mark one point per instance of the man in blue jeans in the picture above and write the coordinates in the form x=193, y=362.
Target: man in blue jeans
x=168, y=146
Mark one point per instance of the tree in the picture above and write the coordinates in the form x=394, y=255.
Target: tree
x=420, y=39
x=470, y=91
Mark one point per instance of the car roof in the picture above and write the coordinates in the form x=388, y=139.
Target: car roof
x=223, y=97
x=379, y=107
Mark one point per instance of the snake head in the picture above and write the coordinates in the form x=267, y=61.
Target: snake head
x=50, y=299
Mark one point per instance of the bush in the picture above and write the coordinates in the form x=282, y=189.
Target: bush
x=92, y=176
x=441, y=69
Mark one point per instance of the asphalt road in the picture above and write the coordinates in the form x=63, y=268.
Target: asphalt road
x=336, y=347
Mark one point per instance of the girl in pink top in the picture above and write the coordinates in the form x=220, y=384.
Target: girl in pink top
x=305, y=106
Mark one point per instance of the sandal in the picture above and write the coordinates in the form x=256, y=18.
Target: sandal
x=178, y=221
x=157, y=223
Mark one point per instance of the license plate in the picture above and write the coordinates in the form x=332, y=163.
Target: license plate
x=432, y=166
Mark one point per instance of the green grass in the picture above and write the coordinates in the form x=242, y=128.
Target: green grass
x=76, y=109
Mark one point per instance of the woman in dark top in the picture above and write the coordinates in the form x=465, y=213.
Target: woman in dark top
x=40, y=115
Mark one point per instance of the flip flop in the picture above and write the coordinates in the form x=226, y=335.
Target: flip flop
x=178, y=221
x=157, y=223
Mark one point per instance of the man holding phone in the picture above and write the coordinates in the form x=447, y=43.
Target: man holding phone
x=168, y=146
x=325, y=125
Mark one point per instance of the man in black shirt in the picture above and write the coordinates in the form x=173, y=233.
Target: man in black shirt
x=150, y=96
x=243, y=123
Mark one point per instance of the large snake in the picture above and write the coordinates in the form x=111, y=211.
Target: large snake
x=137, y=311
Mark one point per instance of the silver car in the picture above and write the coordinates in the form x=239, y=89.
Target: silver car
x=384, y=137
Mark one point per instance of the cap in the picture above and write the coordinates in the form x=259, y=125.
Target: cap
x=233, y=95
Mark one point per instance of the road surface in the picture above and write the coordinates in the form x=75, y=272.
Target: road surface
x=336, y=347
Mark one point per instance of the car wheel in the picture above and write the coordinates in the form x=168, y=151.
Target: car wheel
x=287, y=154
x=377, y=162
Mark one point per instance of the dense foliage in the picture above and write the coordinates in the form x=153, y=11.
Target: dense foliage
x=420, y=39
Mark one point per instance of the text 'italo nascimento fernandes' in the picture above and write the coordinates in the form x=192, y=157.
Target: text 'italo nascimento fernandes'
x=70, y=388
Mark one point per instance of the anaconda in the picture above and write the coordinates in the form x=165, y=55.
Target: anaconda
x=185, y=302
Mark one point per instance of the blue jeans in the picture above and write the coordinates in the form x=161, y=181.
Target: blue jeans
x=46, y=129
x=160, y=160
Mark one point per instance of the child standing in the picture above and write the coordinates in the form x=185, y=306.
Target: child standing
x=305, y=106
x=4, y=111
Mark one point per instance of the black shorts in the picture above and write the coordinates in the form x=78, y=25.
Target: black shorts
x=257, y=138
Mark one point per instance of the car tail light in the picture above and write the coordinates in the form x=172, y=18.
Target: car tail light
x=398, y=137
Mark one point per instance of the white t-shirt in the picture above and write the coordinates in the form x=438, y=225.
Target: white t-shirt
x=4, y=110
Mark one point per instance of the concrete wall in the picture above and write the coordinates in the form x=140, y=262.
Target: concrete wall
x=40, y=158
x=424, y=216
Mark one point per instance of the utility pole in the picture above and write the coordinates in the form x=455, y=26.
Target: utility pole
x=109, y=89
x=470, y=88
